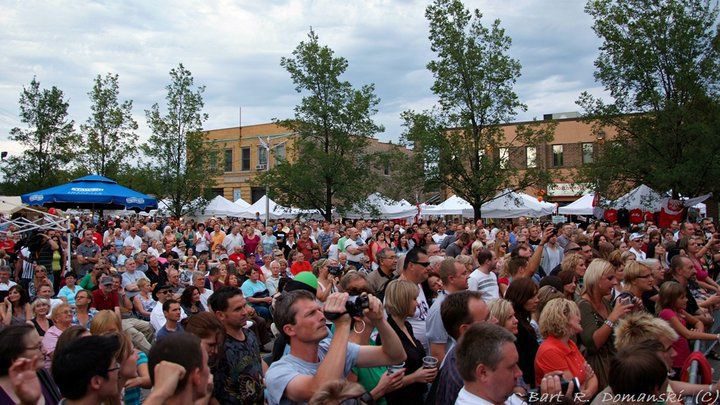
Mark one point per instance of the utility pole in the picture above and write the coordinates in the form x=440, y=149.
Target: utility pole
x=266, y=144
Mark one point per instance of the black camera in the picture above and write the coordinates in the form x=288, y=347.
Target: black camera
x=356, y=304
x=335, y=270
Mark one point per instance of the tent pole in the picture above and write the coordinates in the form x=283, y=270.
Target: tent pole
x=69, y=247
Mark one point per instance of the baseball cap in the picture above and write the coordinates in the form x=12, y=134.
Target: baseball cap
x=636, y=235
x=106, y=280
x=223, y=257
x=572, y=246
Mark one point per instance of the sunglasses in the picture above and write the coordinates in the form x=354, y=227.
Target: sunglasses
x=424, y=264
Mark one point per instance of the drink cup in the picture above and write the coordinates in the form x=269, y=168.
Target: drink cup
x=430, y=362
x=392, y=369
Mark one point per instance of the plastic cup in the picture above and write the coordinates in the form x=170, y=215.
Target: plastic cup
x=392, y=369
x=430, y=362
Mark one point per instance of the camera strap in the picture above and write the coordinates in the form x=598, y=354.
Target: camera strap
x=331, y=316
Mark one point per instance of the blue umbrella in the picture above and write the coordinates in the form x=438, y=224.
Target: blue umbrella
x=91, y=192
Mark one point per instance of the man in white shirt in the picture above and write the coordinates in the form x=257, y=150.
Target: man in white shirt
x=488, y=364
x=636, y=246
x=133, y=240
x=153, y=233
x=415, y=269
x=5, y=282
x=355, y=248
x=483, y=279
x=157, y=317
x=234, y=238
x=454, y=276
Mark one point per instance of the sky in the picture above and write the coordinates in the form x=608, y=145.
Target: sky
x=234, y=49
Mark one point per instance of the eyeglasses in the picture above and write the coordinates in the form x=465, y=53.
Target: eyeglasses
x=36, y=347
x=424, y=264
x=645, y=276
x=365, y=398
x=110, y=370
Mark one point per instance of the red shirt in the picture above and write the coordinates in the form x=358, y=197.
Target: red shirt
x=554, y=355
x=8, y=245
x=100, y=301
x=305, y=247
x=236, y=257
x=98, y=239
x=298, y=267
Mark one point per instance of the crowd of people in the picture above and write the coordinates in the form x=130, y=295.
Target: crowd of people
x=231, y=311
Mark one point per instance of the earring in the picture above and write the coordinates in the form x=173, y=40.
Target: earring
x=361, y=330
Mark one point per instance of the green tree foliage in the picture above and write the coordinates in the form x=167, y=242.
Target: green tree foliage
x=461, y=142
x=49, y=140
x=659, y=62
x=177, y=151
x=333, y=123
x=108, y=136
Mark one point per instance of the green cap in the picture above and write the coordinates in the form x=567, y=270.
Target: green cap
x=308, y=278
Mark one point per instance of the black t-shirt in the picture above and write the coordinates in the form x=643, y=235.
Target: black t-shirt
x=280, y=235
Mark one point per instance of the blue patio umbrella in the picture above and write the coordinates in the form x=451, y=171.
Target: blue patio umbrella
x=91, y=192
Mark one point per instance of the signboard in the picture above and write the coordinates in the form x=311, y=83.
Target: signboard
x=237, y=194
x=556, y=219
x=568, y=189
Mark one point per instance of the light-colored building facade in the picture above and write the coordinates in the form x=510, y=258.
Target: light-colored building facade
x=243, y=156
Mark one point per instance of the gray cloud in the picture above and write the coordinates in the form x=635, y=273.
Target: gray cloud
x=234, y=49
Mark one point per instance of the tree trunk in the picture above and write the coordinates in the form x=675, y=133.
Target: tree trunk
x=328, y=204
x=712, y=208
x=477, y=209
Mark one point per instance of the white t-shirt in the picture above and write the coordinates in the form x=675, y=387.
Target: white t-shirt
x=230, y=241
x=351, y=257
x=5, y=287
x=438, y=238
x=487, y=284
x=134, y=242
x=417, y=321
x=157, y=317
x=333, y=252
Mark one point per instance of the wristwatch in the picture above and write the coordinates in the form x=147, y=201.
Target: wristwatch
x=610, y=323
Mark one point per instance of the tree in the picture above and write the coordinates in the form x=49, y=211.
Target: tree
x=659, y=62
x=49, y=140
x=178, y=154
x=108, y=136
x=333, y=123
x=461, y=142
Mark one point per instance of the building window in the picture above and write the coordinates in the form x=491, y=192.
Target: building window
x=228, y=160
x=262, y=155
x=504, y=157
x=531, y=158
x=280, y=152
x=557, y=155
x=245, y=159
x=587, y=151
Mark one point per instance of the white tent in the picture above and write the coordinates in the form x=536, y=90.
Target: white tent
x=452, y=206
x=276, y=211
x=222, y=207
x=581, y=206
x=10, y=205
x=513, y=205
x=242, y=203
x=642, y=197
x=386, y=209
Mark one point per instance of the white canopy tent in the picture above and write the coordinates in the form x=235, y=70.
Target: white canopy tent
x=222, y=207
x=454, y=205
x=386, y=209
x=642, y=197
x=242, y=203
x=581, y=206
x=276, y=211
x=514, y=204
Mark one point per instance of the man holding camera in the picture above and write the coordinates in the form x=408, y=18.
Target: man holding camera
x=314, y=358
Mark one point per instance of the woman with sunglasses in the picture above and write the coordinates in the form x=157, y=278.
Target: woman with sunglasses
x=376, y=380
x=638, y=281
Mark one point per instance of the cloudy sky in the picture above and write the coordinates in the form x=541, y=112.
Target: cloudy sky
x=234, y=49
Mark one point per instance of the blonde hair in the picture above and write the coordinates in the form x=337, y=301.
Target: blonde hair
x=105, y=321
x=334, y=392
x=633, y=270
x=571, y=261
x=465, y=260
x=555, y=317
x=57, y=309
x=638, y=327
x=40, y=301
x=500, y=309
x=597, y=269
x=400, y=297
x=142, y=282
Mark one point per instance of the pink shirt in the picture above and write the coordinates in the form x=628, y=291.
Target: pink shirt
x=681, y=346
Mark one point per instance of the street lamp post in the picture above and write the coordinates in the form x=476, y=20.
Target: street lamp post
x=266, y=145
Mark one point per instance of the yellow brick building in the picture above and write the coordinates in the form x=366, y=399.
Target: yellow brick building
x=243, y=156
